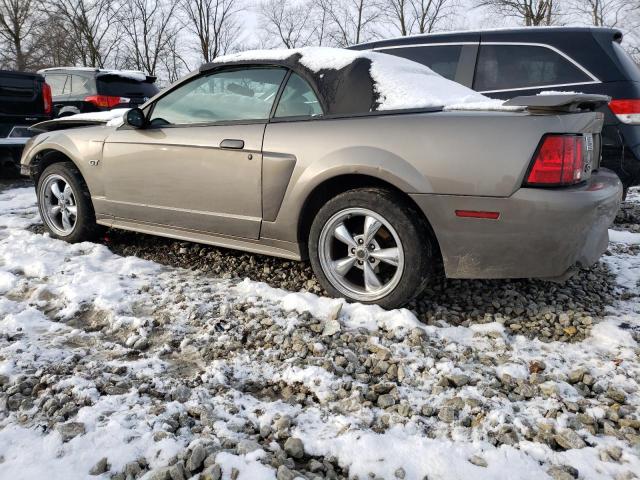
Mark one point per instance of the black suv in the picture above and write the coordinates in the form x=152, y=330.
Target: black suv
x=25, y=99
x=525, y=61
x=81, y=90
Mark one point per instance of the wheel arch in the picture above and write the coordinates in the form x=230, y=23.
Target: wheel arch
x=331, y=187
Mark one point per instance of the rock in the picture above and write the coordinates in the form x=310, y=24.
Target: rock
x=294, y=447
x=132, y=469
x=70, y=430
x=478, y=461
x=177, y=472
x=213, y=472
x=447, y=414
x=157, y=474
x=331, y=327
x=616, y=395
x=562, y=472
x=576, y=375
x=100, y=467
x=399, y=473
x=458, y=380
x=196, y=458
x=181, y=394
x=282, y=423
x=385, y=401
x=284, y=473
x=247, y=446
x=568, y=439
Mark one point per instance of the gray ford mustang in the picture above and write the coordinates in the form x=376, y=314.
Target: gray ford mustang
x=372, y=166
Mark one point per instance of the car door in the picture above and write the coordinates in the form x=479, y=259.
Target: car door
x=198, y=165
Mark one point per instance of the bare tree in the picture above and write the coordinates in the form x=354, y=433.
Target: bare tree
x=149, y=26
x=352, y=21
x=531, y=12
x=19, y=27
x=90, y=24
x=605, y=13
x=289, y=21
x=214, y=23
x=173, y=63
x=57, y=46
x=418, y=16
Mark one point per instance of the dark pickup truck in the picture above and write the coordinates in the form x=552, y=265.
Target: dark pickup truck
x=25, y=99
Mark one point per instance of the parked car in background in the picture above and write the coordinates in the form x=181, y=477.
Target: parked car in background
x=80, y=90
x=525, y=61
x=25, y=99
x=346, y=158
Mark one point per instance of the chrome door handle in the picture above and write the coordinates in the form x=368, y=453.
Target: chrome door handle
x=231, y=143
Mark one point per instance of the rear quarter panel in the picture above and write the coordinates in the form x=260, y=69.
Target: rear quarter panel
x=447, y=153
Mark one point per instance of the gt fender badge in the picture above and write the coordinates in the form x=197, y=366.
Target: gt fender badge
x=94, y=163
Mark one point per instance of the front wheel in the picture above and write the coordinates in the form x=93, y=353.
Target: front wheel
x=65, y=204
x=368, y=245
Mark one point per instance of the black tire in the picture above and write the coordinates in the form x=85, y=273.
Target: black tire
x=411, y=228
x=85, y=227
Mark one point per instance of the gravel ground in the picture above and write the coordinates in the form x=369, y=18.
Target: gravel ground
x=178, y=367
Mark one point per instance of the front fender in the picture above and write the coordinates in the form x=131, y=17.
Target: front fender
x=82, y=146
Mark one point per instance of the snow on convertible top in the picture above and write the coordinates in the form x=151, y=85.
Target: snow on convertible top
x=398, y=83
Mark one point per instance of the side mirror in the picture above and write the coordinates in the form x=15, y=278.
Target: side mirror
x=135, y=118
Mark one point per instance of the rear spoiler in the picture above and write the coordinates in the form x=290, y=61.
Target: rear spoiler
x=570, y=102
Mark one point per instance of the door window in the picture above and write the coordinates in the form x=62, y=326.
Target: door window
x=231, y=95
x=298, y=99
x=56, y=82
x=506, y=67
x=442, y=59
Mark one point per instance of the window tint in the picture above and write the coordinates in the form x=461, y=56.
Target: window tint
x=442, y=59
x=225, y=96
x=298, y=100
x=80, y=84
x=56, y=82
x=115, y=86
x=502, y=67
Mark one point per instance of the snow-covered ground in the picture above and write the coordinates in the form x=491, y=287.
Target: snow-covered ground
x=130, y=369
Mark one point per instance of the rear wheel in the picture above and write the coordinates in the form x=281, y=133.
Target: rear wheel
x=370, y=246
x=65, y=204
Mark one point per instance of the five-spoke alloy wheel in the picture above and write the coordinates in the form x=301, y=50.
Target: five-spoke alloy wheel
x=369, y=245
x=58, y=204
x=361, y=254
x=65, y=204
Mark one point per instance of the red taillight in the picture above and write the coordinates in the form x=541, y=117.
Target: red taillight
x=46, y=98
x=627, y=111
x=105, y=101
x=558, y=161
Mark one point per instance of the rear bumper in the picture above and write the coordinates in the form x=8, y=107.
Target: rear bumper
x=541, y=233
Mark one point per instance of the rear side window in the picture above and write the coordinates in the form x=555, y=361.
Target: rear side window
x=506, y=67
x=115, y=86
x=80, y=85
x=56, y=82
x=298, y=99
x=442, y=59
